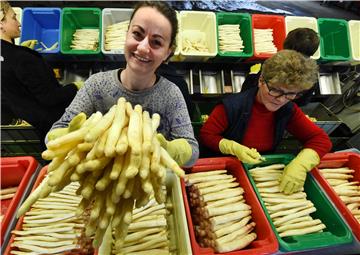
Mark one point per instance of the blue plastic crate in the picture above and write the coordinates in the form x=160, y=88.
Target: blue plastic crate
x=42, y=24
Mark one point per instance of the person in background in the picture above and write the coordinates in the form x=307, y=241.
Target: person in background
x=149, y=42
x=255, y=120
x=303, y=40
x=29, y=89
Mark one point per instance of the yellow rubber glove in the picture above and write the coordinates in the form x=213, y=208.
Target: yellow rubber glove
x=243, y=153
x=74, y=124
x=254, y=69
x=179, y=149
x=294, y=175
x=78, y=84
x=29, y=44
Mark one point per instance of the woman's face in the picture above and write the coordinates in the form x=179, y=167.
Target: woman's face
x=266, y=96
x=10, y=26
x=147, y=42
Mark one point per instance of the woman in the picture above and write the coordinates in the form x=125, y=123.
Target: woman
x=258, y=118
x=149, y=41
x=29, y=89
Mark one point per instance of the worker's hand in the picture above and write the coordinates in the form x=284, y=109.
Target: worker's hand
x=74, y=124
x=179, y=149
x=29, y=44
x=294, y=175
x=243, y=153
x=78, y=84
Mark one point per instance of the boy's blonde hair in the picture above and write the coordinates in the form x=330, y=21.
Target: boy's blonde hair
x=290, y=69
x=4, y=8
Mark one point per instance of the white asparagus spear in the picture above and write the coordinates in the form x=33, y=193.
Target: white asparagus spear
x=303, y=231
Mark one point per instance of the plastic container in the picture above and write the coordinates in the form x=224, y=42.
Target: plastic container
x=198, y=26
x=354, y=32
x=42, y=24
x=334, y=39
x=19, y=223
x=266, y=241
x=293, y=22
x=111, y=16
x=351, y=160
x=336, y=232
x=275, y=22
x=15, y=171
x=338, y=155
x=244, y=21
x=18, y=12
x=78, y=18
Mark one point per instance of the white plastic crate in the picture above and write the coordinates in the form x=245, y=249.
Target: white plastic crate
x=198, y=26
x=293, y=22
x=354, y=31
x=111, y=16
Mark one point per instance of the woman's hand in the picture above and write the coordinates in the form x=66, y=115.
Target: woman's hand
x=179, y=149
x=294, y=175
x=243, y=153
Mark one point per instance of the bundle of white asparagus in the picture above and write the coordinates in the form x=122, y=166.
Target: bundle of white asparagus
x=7, y=193
x=52, y=227
x=115, y=35
x=194, y=41
x=85, y=39
x=117, y=160
x=263, y=39
x=229, y=38
x=290, y=213
x=348, y=191
x=220, y=214
x=147, y=233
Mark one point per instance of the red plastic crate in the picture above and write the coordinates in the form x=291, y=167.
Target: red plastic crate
x=266, y=242
x=15, y=171
x=264, y=21
x=338, y=155
x=352, y=161
x=18, y=226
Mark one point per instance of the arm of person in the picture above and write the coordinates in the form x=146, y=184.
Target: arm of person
x=308, y=133
x=37, y=77
x=316, y=144
x=181, y=127
x=212, y=130
x=211, y=136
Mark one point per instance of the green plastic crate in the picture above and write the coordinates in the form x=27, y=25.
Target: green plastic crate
x=336, y=232
x=334, y=39
x=244, y=20
x=78, y=18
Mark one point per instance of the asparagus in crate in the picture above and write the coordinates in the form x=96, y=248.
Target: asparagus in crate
x=52, y=227
x=290, y=213
x=340, y=179
x=222, y=219
x=109, y=155
x=115, y=35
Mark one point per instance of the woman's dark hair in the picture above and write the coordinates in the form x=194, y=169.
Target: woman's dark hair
x=303, y=40
x=166, y=10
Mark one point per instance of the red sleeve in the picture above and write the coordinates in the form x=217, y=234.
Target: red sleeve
x=308, y=133
x=211, y=131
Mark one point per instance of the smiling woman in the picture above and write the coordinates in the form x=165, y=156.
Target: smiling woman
x=149, y=42
x=256, y=119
